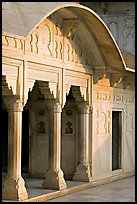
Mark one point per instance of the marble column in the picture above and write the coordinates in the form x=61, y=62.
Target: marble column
x=14, y=185
x=54, y=178
x=83, y=169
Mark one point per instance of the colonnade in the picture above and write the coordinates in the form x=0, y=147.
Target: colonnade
x=14, y=185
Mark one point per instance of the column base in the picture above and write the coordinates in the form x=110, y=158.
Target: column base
x=14, y=189
x=54, y=180
x=82, y=173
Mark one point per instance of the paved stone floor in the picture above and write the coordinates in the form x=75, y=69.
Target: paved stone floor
x=117, y=191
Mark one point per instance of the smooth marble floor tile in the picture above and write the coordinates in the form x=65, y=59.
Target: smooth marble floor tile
x=117, y=191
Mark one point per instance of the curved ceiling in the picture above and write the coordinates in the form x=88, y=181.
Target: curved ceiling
x=20, y=18
x=25, y=17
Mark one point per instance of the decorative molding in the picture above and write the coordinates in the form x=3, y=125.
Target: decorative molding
x=45, y=40
x=13, y=42
x=103, y=96
x=118, y=97
x=130, y=99
x=129, y=121
x=103, y=122
x=35, y=44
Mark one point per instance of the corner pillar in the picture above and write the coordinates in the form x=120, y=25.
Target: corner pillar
x=54, y=178
x=83, y=169
x=14, y=185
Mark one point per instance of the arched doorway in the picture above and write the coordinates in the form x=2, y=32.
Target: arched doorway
x=70, y=131
x=37, y=107
x=68, y=140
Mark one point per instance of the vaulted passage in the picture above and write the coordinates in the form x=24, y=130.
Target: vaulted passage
x=75, y=137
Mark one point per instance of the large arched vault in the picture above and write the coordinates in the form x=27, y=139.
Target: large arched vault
x=97, y=40
x=77, y=23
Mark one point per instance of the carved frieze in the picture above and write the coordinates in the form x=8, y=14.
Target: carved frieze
x=117, y=97
x=103, y=96
x=103, y=121
x=130, y=99
x=13, y=42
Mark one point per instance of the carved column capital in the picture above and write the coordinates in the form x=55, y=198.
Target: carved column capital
x=84, y=108
x=13, y=103
x=55, y=106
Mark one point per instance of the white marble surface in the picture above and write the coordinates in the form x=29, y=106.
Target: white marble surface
x=118, y=191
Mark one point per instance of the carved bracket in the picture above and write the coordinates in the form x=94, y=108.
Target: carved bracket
x=99, y=74
x=115, y=78
x=13, y=103
x=128, y=82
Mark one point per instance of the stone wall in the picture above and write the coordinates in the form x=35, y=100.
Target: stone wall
x=105, y=100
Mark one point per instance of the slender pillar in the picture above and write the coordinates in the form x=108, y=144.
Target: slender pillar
x=54, y=178
x=83, y=169
x=14, y=185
